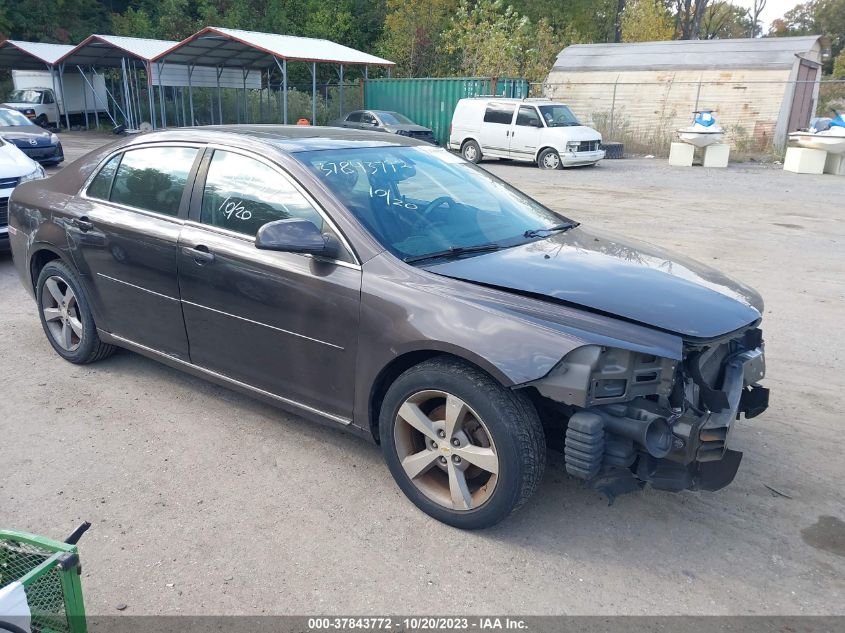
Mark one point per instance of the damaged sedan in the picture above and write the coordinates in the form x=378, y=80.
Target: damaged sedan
x=382, y=285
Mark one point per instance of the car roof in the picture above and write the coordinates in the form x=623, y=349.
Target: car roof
x=288, y=138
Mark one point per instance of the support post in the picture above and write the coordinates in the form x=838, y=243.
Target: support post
x=313, y=93
x=161, y=96
x=149, y=69
x=613, y=107
x=108, y=94
x=191, y=93
x=52, y=70
x=340, y=91
x=244, y=73
x=64, y=99
x=219, y=97
x=127, y=112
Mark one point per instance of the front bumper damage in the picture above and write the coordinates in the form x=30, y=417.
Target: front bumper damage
x=676, y=438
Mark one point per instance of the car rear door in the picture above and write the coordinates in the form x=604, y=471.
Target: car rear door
x=353, y=120
x=496, y=129
x=123, y=230
x=285, y=323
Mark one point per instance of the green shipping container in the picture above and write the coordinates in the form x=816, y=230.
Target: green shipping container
x=431, y=101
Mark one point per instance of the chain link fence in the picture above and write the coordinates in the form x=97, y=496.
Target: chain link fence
x=645, y=115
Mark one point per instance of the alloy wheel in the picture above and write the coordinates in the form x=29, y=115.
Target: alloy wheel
x=446, y=450
x=61, y=313
x=470, y=153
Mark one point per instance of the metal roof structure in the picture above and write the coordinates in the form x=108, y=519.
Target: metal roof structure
x=109, y=50
x=30, y=55
x=765, y=52
x=233, y=48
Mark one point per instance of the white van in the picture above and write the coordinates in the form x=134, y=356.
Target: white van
x=541, y=131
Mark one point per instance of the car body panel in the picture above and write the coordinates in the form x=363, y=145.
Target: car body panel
x=373, y=120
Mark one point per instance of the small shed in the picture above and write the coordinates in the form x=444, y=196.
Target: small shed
x=760, y=88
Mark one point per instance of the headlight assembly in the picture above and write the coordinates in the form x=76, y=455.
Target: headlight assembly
x=54, y=139
x=37, y=174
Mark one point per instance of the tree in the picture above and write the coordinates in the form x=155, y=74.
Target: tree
x=688, y=16
x=412, y=35
x=755, y=11
x=646, y=21
x=724, y=20
x=816, y=17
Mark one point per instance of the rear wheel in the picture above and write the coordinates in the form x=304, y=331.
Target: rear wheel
x=66, y=317
x=549, y=159
x=471, y=151
x=464, y=449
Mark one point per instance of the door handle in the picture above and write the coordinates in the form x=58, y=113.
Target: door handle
x=83, y=224
x=199, y=254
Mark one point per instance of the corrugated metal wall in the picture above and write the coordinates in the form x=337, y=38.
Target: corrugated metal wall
x=431, y=101
x=644, y=108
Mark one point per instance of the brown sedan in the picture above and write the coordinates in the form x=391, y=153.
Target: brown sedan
x=384, y=285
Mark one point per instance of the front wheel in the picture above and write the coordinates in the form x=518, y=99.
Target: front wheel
x=549, y=159
x=462, y=448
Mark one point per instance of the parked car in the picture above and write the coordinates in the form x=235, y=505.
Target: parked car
x=385, y=121
x=15, y=168
x=39, y=144
x=540, y=131
x=393, y=289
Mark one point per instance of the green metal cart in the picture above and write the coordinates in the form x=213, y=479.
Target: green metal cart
x=48, y=572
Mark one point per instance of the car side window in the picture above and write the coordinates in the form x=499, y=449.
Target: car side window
x=242, y=194
x=353, y=117
x=499, y=113
x=528, y=117
x=368, y=118
x=153, y=178
x=100, y=187
x=48, y=98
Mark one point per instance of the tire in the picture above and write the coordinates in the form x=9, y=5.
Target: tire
x=508, y=447
x=613, y=150
x=66, y=316
x=471, y=151
x=549, y=159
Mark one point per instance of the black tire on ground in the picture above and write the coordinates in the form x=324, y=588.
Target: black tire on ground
x=471, y=151
x=41, y=120
x=613, y=150
x=549, y=159
x=88, y=347
x=510, y=418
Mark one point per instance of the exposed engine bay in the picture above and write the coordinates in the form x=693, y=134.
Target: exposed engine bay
x=634, y=418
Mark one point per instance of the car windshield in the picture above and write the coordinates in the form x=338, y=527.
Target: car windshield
x=25, y=96
x=394, y=118
x=558, y=115
x=417, y=201
x=13, y=117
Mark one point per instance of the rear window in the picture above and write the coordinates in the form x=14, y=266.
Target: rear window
x=153, y=178
x=499, y=113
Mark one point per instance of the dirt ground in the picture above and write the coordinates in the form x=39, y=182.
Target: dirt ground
x=204, y=501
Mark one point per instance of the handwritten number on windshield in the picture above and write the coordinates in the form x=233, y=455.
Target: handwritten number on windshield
x=234, y=208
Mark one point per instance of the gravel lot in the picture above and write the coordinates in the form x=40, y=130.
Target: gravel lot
x=204, y=501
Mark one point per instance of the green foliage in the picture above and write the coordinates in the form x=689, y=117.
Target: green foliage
x=646, y=21
x=724, y=20
x=839, y=66
x=816, y=17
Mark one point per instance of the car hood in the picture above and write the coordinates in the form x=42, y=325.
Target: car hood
x=634, y=281
x=574, y=133
x=25, y=134
x=13, y=162
x=20, y=106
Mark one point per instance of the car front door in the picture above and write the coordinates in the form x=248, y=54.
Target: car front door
x=496, y=129
x=369, y=121
x=285, y=323
x=526, y=133
x=123, y=230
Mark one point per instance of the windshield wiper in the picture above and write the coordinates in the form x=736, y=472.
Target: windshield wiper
x=454, y=251
x=552, y=229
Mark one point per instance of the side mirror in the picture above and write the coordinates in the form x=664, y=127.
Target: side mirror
x=296, y=235
x=537, y=123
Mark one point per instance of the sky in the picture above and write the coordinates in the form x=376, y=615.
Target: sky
x=774, y=9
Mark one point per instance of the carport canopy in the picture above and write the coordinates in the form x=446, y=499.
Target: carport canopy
x=107, y=51
x=232, y=48
x=18, y=55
